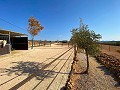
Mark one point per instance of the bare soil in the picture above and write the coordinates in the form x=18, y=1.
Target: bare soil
x=111, y=50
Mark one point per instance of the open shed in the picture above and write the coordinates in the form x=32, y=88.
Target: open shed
x=14, y=41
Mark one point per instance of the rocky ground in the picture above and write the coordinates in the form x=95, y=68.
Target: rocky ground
x=99, y=78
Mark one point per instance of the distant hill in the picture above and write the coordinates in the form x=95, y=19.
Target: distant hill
x=114, y=43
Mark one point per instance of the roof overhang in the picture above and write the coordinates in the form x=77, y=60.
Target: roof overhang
x=11, y=33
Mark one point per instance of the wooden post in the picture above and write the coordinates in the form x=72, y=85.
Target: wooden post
x=39, y=43
x=62, y=44
x=109, y=47
x=32, y=43
x=101, y=47
x=44, y=43
x=9, y=43
x=68, y=44
x=50, y=43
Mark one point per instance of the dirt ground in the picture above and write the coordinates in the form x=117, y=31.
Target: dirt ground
x=99, y=78
x=36, y=69
x=111, y=50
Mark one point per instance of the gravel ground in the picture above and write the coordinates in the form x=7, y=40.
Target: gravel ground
x=99, y=77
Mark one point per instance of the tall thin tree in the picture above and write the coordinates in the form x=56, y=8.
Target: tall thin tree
x=34, y=28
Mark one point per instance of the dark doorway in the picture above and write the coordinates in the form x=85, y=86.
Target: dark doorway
x=19, y=43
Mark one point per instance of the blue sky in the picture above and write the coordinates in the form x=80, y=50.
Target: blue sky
x=59, y=17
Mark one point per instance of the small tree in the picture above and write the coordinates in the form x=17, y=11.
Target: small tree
x=34, y=28
x=74, y=40
x=87, y=40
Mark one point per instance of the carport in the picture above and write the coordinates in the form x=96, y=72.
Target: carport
x=14, y=41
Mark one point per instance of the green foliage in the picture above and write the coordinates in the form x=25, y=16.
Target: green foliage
x=118, y=43
x=74, y=37
x=113, y=43
x=86, y=39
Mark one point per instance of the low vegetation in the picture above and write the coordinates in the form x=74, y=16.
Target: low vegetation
x=113, y=43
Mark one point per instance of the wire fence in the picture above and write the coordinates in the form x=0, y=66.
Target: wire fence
x=111, y=50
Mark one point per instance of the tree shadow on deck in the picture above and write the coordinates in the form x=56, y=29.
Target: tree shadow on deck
x=26, y=68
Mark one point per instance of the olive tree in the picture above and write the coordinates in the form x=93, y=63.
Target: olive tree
x=34, y=28
x=88, y=40
x=74, y=40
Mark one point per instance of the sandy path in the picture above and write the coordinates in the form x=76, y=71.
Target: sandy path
x=99, y=77
x=14, y=64
x=37, y=84
x=56, y=84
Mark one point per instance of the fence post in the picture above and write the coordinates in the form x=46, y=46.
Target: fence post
x=101, y=47
x=50, y=43
x=62, y=44
x=44, y=43
x=68, y=44
x=39, y=42
x=109, y=47
x=75, y=52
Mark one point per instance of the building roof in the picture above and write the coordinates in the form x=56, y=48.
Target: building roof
x=7, y=32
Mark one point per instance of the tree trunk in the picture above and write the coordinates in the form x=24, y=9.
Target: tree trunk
x=87, y=61
x=39, y=43
x=75, y=52
x=32, y=42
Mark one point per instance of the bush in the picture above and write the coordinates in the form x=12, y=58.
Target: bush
x=118, y=43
